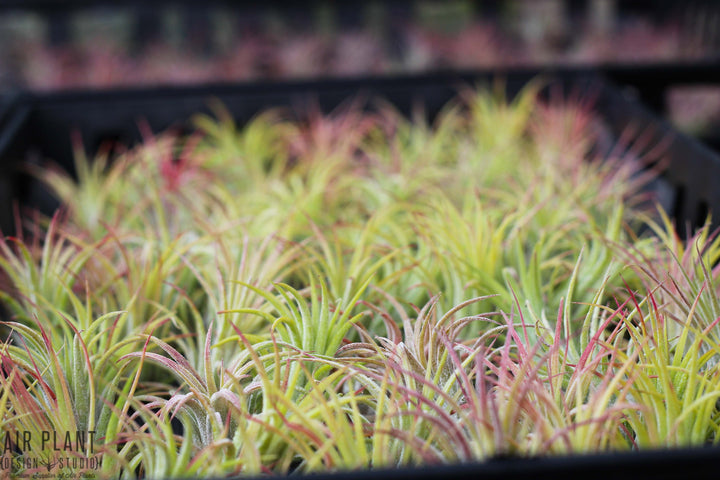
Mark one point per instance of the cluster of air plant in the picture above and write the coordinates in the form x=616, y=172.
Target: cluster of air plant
x=431, y=41
x=355, y=290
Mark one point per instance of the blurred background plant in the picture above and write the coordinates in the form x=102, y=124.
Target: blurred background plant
x=57, y=46
x=137, y=45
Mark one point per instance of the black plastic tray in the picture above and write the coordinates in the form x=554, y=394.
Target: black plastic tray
x=679, y=464
x=35, y=127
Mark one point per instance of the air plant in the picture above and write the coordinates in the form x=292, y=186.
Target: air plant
x=358, y=290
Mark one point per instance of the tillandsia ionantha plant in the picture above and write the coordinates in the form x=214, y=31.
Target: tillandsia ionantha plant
x=355, y=290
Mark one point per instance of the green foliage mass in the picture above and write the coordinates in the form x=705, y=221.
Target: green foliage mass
x=359, y=290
